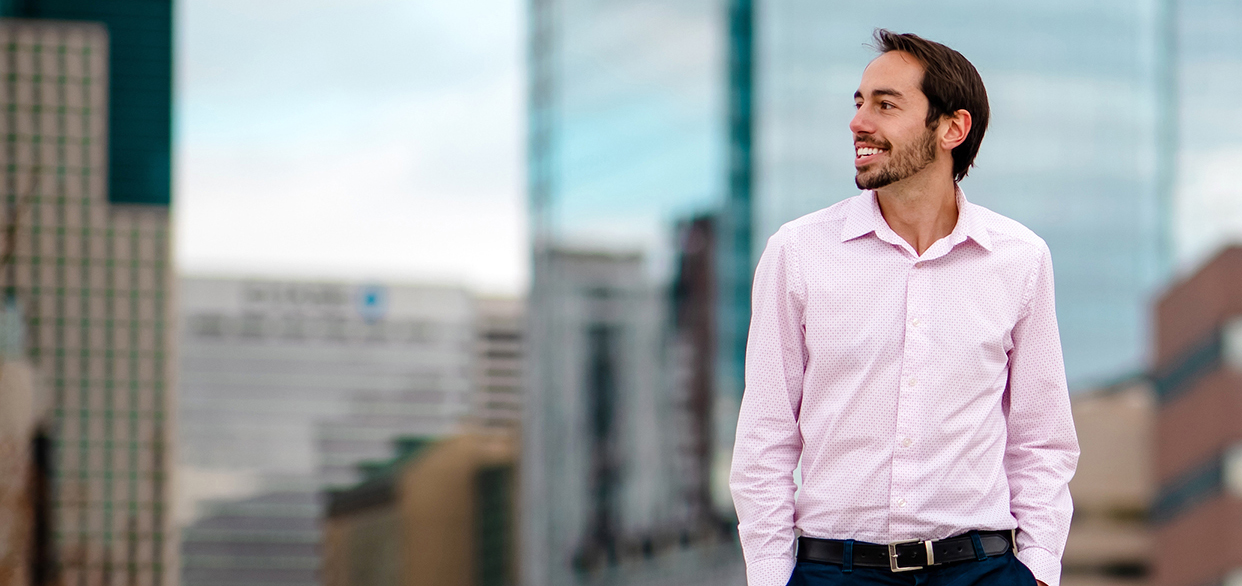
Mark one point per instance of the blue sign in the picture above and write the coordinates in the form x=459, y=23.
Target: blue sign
x=372, y=302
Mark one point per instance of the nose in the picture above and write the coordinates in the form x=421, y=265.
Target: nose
x=861, y=123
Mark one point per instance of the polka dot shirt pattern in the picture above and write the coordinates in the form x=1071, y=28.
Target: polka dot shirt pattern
x=924, y=395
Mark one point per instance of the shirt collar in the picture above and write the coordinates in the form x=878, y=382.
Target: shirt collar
x=864, y=217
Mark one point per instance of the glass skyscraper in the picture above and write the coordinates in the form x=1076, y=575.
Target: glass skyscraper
x=1070, y=150
x=628, y=134
x=680, y=134
x=1206, y=59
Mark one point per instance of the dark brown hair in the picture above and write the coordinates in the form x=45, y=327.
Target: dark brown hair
x=950, y=83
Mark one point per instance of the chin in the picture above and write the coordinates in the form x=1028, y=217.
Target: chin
x=865, y=182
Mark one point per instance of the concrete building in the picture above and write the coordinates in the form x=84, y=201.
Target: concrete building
x=500, y=354
x=87, y=256
x=272, y=538
x=1198, y=462
x=1110, y=541
x=287, y=386
x=282, y=380
x=440, y=513
x=602, y=498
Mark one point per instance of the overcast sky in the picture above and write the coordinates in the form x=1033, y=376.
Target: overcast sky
x=360, y=139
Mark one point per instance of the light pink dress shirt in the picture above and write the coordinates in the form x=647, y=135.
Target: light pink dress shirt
x=925, y=395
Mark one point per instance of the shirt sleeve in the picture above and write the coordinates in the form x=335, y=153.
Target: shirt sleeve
x=768, y=443
x=1042, y=448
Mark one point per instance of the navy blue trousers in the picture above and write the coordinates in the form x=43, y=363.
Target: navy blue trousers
x=1004, y=570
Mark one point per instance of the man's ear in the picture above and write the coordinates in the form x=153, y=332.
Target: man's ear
x=954, y=129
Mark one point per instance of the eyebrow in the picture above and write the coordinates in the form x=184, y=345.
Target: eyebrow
x=881, y=92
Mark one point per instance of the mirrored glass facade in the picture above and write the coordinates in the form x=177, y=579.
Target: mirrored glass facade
x=628, y=144
x=668, y=140
x=1206, y=52
x=1070, y=150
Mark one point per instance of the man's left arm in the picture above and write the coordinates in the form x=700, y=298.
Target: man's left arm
x=1042, y=450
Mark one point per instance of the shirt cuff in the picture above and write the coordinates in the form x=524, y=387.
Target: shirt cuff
x=771, y=571
x=1042, y=563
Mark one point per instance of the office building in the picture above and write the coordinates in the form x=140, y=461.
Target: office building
x=1110, y=540
x=287, y=387
x=604, y=498
x=138, y=120
x=1198, y=459
x=439, y=513
x=273, y=370
x=271, y=538
x=91, y=270
x=1201, y=82
x=630, y=410
x=500, y=343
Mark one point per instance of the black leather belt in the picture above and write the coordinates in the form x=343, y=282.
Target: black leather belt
x=903, y=556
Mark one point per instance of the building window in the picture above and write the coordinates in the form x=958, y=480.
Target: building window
x=1231, y=477
x=1231, y=341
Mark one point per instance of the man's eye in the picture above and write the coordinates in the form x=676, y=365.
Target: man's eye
x=857, y=105
x=886, y=106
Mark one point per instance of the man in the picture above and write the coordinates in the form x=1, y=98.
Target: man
x=904, y=348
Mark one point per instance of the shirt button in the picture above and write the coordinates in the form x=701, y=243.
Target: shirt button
x=912, y=382
x=918, y=265
x=905, y=443
x=915, y=322
x=901, y=503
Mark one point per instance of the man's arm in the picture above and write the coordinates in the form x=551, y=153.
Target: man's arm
x=768, y=444
x=1042, y=449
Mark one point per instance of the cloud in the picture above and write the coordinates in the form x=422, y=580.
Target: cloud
x=1209, y=205
x=406, y=165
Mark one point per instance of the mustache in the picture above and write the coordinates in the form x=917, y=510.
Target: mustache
x=880, y=144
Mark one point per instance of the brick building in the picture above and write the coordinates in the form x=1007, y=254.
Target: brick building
x=1197, y=510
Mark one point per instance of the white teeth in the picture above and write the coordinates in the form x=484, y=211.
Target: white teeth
x=864, y=151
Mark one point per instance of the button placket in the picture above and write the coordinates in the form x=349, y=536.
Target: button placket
x=904, y=472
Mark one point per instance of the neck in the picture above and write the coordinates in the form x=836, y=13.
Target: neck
x=921, y=209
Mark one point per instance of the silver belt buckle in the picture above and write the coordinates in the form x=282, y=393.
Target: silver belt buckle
x=892, y=556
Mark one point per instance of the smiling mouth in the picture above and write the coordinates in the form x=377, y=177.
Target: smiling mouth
x=865, y=154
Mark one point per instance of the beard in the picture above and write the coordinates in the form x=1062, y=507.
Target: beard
x=902, y=163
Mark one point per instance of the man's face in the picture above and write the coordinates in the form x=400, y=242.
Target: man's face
x=891, y=138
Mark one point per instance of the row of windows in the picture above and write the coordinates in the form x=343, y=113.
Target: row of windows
x=329, y=327
x=1220, y=347
x=1220, y=474
x=67, y=359
x=141, y=445
x=38, y=48
x=60, y=79
x=99, y=414
x=59, y=139
x=70, y=479
x=98, y=337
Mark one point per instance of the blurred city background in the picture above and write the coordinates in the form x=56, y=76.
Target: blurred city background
x=375, y=292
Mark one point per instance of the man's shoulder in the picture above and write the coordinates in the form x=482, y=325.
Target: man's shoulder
x=1006, y=230
x=829, y=218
